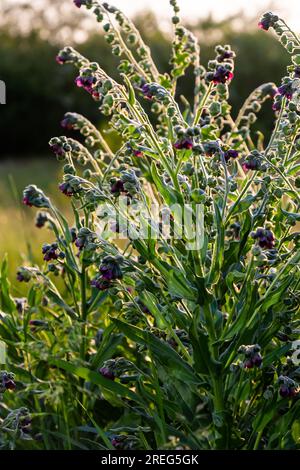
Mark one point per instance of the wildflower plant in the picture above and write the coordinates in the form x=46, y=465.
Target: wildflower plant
x=166, y=312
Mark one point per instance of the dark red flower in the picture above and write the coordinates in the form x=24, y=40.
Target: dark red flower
x=137, y=153
x=257, y=360
x=264, y=24
x=79, y=3
x=222, y=75
x=101, y=284
x=146, y=92
x=26, y=201
x=107, y=373
x=231, y=153
x=117, y=187
x=60, y=59
x=9, y=384
x=286, y=90
x=57, y=149
x=66, y=189
x=186, y=144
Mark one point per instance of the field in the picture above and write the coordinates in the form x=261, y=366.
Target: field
x=19, y=238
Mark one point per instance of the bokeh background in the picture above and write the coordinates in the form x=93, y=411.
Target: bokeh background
x=39, y=91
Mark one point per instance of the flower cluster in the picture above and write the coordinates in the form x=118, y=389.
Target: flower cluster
x=268, y=20
x=128, y=184
x=33, y=196
x=52, y=252
x=86, y=240
x=18, y=423
x=252, y=355
x=88, y=83
x=288, y=387
x=125, y=442
x=24, y=274
x=159, y=94
x=71, y=185
x=264, y=237
x=109, y=270
x=21, y=304
x=69, y=55
x=41, y=219
x=61, y=146
x=6, y=381
x=253, y=162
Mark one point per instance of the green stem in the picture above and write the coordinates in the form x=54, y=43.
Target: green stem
x=203, y=103
x=84, y=311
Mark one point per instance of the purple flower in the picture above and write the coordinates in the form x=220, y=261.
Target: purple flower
x=60, y=59
x=257, y=360
x=79, y=3
x=27, y=201
x=107, y=273
x=50, y=252
x=264, y=237
x=107, y=373
x=251, y=165
x=297, y=72
x=186, y=144
x=146, y=92
x=286, y=90
x=100, y=284
x=9, y=384
x=41, y=219
x=57, y=149
x=110, y=268
x=66, y=124
x=66, y=189
x=222, y=75
x=287, y=391
x=231, y=153
x=137, y=153
x=248, y=364
x=264, y=24
x=23, y=275
x=80, y=242
x=225, y=55
x=88, y=83
x=268, y=21
x=277, y=103
x=117, y=187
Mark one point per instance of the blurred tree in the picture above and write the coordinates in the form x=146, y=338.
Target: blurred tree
x=39, y=91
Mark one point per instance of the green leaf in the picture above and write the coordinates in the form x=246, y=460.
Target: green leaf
x=150, y=301
x=243, y=205
x=296, y=431
x=131, y=94
x=97, y=379
x=6, y=301
x=110, y=342
x=167, y=192
x=57, y=299
x=180, y=287
x=163, y=353
x=201, y=353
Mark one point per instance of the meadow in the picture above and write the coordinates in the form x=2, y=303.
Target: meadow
x=19, y=238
